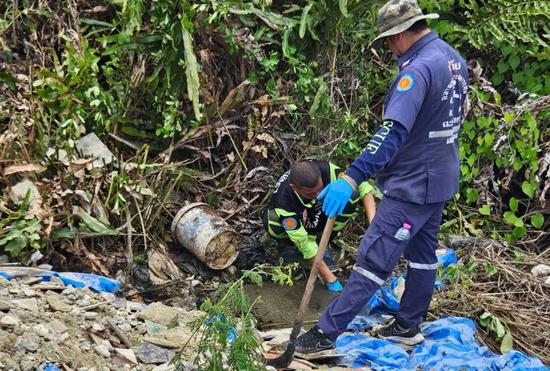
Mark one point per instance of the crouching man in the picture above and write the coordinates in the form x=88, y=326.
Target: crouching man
x=295, y=218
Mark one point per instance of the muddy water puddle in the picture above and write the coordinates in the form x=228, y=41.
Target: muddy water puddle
x=279, y=304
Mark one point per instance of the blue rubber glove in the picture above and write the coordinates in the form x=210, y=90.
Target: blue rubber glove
x=336, y=195
x=335, y=286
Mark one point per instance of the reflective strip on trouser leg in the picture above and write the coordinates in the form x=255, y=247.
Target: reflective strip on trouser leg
x=371, y=276
x=357, y=293
x=426, y=267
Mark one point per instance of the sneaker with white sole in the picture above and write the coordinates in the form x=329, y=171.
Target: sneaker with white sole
x=313, y=341
x=406, y=336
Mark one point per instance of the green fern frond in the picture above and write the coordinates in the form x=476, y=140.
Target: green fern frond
x=509, y=21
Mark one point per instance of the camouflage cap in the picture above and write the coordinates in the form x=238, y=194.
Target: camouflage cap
x=398, y=15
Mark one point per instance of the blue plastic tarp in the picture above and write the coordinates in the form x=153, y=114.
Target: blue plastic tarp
x=450, y=342
x=6, y=276
x=79, y=280
x=450, y=345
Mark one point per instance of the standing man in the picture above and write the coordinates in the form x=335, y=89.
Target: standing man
x=415, y=156
x=295, y=218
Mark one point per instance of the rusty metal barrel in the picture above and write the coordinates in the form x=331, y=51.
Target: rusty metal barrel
x=206, y=235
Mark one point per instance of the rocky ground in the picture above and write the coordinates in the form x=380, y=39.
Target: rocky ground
x=45, y=323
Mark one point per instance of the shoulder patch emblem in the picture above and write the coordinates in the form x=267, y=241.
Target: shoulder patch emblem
x=405, y=83
x=290, y=223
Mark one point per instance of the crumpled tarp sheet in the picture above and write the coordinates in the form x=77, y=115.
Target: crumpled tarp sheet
x=79, y=280
x=450, y=345
x=450, y=342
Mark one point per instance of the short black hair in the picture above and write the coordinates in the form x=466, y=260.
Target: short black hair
x=304, y=174
x=418, y=26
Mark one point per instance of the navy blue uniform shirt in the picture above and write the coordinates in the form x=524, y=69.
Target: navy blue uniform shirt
x=427, y=98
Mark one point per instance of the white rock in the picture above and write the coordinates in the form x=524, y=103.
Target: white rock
x=28, y=304
x=9, y=321
x=28, y=292
x=28, y=363
x=96, y=327
x=107, y=344
x=90, y=315
x=57, y=326
x=64, y=336
x=541, y=270
x=547, y=281
x=127, y=354
x=91, y=146
x=19, y=191
x=75, y=312
x=195, y=283
x=41, y=330
x=160, y=313
x=85, y=300
x=27, y=342
x=70, y=290
x=108, y=296
x=125, y=327
x=133, y=306
x=164, y=367
x=102, y=351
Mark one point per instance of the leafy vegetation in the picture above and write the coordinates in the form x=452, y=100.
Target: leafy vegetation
x=226, y=331
x=210, y=100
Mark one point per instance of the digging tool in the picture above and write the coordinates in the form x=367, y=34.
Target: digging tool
x=286, y=358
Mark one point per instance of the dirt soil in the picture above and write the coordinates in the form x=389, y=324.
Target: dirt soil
x=279, y=304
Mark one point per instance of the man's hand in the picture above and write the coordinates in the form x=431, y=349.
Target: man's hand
x=335, y=286
x=336, y=195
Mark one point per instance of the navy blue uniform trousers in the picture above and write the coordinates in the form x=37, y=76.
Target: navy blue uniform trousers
x=378, y=254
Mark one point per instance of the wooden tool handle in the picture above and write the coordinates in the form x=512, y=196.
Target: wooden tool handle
x=327, y=231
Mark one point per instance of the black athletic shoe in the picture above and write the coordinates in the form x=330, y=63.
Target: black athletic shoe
x=330, y=262
x=313, y=341
x=406, y=336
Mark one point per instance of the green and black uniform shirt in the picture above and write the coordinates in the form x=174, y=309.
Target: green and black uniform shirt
x=302, y=221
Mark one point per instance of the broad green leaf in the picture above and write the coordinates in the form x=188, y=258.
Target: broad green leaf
x=508, y=117
x=499, y=328
x=191, y=71
x=485, y=319
x=520, y=231
x=94, y=22
x=513, y=204
x=303, y=20
x=343, y=4
x=317, y=100
x=529, y=188
x=537, y=220
x=485, y=210
x=485, y=315
x=471, y=195
x=64, y=232
x=511, y=218
x=286, y=35
x=507, y=343
x=514, y=61
x=491, y=270
x=95, y=226
x=15, y=246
